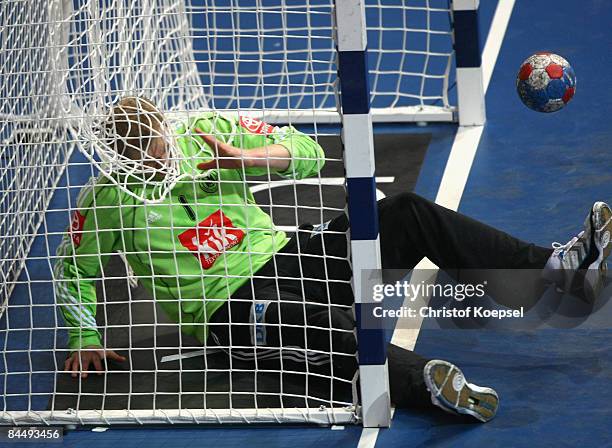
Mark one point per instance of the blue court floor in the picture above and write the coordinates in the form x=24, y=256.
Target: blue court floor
x=535, y=176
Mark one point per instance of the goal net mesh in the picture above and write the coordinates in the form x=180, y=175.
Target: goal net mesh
x=63, y=65
x=261, y=55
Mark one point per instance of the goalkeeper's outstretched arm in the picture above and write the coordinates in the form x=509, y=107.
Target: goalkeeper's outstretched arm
x=83, y=253
x=258, y=148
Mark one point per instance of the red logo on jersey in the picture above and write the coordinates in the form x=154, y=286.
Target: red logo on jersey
x=212, y=237
x=76, y=228
x=255, y=126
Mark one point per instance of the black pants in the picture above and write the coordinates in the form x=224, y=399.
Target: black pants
x=284, y=310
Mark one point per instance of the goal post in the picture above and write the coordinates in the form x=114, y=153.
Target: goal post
x=470, y=87
x=358, y=141
x=64, y=63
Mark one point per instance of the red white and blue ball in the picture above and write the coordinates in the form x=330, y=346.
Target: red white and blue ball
x=546, y=82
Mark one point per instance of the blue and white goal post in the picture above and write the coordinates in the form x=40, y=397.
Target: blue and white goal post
x=359, y=160
x=469, y=75
x=358, y=141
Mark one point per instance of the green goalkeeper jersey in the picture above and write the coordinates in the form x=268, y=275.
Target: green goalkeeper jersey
x=193, y=249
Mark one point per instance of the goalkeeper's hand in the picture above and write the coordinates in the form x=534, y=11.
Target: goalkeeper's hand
x=89, y=356
x=228, y=156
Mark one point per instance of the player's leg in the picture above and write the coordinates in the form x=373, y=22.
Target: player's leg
x=418, y=382
x=292, y=321
x=415, y=382
x=412, y=227
x=291, y=336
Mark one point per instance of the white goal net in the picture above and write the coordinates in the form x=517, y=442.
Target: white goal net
x=281, y=57
x=63, y=65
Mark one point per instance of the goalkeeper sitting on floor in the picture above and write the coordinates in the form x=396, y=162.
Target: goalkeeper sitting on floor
x=214, y=261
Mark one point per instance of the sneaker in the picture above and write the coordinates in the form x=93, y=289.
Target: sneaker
x=562, y=266
x=595, y=265
x=578, y=267
x=451, y=392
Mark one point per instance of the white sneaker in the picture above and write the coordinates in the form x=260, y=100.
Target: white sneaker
x=451, y=392
x=601, y=221
x=578, y=267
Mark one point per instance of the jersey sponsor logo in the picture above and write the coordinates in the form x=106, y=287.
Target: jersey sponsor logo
x=76, y=228
x=211, y=238
x=255, y=126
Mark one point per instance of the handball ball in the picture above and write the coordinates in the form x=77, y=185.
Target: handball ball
x=546, y=82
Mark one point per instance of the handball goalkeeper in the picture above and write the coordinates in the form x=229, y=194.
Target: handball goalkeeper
x=213, y=260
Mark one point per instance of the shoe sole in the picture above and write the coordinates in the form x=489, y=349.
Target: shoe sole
x=601, y=221
x=451, y=392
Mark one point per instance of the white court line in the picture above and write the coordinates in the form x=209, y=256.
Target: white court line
x=462, y=154
x=495, y=39
x=369, y=435
x=368, y=438
x=467, y=138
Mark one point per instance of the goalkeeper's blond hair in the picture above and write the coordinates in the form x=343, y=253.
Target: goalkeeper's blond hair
x=134, y=121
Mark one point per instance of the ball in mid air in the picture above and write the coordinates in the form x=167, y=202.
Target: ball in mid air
x=546, y=82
